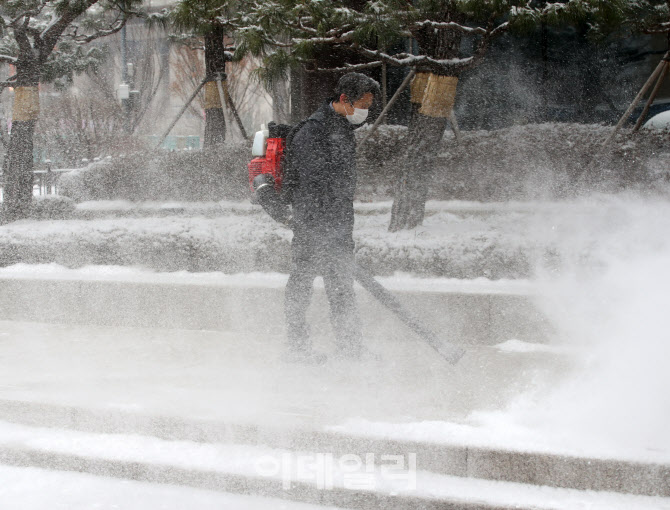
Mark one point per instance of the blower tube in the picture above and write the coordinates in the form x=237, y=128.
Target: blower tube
x=264, y=186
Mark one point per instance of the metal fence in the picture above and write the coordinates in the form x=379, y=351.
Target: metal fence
x=45, y=182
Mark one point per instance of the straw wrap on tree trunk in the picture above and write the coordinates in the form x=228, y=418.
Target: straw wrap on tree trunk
x=26, y=103
x=439, y=96
x=212, y=98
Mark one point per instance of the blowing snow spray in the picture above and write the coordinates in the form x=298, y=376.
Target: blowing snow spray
x=266, y=176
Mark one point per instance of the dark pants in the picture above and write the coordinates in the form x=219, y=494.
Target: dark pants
x=334, y=261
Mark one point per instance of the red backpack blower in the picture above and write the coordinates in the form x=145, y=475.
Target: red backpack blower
x=270, y=178
x=268, y=163
x=269, y=148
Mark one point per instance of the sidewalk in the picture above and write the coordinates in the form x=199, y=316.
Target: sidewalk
x=239, y=377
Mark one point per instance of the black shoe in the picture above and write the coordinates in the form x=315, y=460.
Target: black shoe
x=304, y=357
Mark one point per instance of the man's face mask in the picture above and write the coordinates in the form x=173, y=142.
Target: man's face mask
x=359, y=115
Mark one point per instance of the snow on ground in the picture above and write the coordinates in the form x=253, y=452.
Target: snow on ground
x=498, y=430
x=519, y=346
x=265, y=462
x=27, y=488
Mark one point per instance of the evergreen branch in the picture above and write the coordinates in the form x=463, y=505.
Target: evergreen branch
x=408, y=60
x=656, y=31
x=51, y=34
x=115, y=27
x=346, y=68
x=346, y=37
x=452, y=25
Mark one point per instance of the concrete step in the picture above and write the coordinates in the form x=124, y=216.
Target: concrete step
x=30, y=488
x=293, y=475
x=466, y=458
x=472, y=313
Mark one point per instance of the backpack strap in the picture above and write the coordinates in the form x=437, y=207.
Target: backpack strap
x=290, y=178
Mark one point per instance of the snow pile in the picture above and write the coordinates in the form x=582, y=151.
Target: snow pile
x=165, y=244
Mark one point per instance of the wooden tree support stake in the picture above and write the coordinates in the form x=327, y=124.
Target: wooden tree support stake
x=388, y=106
x=225, y=98
x=454, y=126
x=654, y=76
x=652, y=96
x=233, y=109
x=181, y=112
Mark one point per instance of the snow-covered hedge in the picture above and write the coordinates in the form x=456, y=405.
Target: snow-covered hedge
x=189, y=176
x=457, y=239
x=530, y=162
x=253, y=242
x=52, y=207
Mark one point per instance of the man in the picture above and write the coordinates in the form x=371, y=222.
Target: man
x=322, y=157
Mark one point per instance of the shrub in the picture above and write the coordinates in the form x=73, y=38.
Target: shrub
x=188, y=176
x=52, y=207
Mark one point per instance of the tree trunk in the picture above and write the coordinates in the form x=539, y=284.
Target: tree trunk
x=215, y=63
x=411, y=186
x=18, y=169
x=431, y=106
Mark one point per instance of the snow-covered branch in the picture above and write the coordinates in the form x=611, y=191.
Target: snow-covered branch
x=348, y=67
x=7, y=59
x=498, y=30
x=408, y=60
x=656, y=31
x=346, y=37
x=451, y=25
x=52, y=33
x=10, y=82
x=115, y=27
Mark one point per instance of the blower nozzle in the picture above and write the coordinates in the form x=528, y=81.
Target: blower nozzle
x=271, y=202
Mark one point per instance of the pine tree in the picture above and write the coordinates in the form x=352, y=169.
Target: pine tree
x=45, y=40
x=449, y=37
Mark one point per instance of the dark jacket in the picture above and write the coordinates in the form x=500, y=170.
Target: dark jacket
x=323, y=159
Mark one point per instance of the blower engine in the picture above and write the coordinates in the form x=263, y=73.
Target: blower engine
x=265, y=170
x=269, y=147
